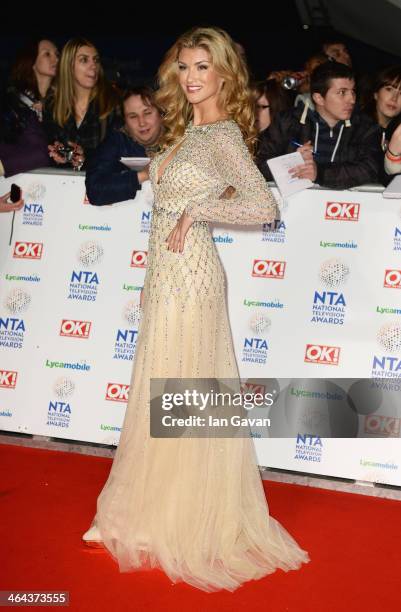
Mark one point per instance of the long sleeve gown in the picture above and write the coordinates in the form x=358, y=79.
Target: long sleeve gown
x=194, y=507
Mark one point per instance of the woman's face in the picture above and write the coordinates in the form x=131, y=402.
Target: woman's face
x=198, y=78
x=388, y=103
x=46, y=60
x=263, y=118
x=86, y=67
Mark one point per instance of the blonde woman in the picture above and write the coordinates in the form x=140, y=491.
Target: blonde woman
x=194, y=507
x=79, y=113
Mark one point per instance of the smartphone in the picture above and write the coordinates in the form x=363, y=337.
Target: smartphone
x=15, y=194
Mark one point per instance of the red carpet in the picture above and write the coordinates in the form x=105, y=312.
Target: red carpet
x=48, y=500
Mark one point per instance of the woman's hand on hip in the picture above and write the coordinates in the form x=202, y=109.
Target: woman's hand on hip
x=176, y=238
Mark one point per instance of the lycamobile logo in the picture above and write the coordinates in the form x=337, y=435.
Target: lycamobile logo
x=338, y=245
x=131, y=287
x=387, y=310
x=97, y=228
x=270, y=304
x=67, y=366
x=33, y=278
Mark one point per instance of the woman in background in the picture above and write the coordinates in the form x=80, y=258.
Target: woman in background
x=23, y=144
x=82, y=108
x=383, y=101
x=270, y=99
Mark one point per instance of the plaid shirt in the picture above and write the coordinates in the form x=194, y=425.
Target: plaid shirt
x=88, y=134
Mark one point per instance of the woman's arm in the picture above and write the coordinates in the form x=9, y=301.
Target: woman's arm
x=392, y=158
x=249, y=201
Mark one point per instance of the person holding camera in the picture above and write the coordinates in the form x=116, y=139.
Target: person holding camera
x=340, y=147
x=82, y=108
x=107, y=179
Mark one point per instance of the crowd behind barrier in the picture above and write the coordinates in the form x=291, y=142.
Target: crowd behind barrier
x=312, y=299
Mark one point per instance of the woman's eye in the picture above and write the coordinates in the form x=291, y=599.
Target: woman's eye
x=181, y=67
x=203, y=67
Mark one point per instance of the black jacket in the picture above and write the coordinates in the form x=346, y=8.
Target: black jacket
x=89, y=134
x=107, y=179
x=23, y=145
x=358, y=158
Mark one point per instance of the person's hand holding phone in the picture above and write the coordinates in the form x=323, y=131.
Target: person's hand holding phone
x=11, y=200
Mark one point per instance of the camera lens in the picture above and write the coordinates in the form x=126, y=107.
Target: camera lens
x=290, y=83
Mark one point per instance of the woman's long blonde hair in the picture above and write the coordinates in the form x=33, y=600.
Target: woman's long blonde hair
x=64, y=93
x=235, y=97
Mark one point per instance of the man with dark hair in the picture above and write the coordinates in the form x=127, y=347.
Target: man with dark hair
x=336, y=51
x=340, y=147
x=107, y=179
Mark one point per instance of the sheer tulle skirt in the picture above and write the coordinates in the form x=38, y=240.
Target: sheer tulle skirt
x=194, y=507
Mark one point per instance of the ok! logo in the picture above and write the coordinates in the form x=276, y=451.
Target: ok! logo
x=322, y=354
x=117, y=392
x=342, y=211
x=75, y=329
x=392, y=279
x=8, y=379
x=28, y=250
x=139, y=259
x=268, y=268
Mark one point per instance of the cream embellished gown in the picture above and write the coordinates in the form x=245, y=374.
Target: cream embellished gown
x=194, y=507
